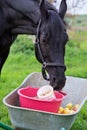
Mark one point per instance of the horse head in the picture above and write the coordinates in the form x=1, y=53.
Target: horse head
x=50, y=44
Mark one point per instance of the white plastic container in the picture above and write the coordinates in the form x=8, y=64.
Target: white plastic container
x=46, y=93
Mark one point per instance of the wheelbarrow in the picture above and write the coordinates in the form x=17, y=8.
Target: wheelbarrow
x=29, y=119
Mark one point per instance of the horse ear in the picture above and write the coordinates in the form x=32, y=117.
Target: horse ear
x=62, y=8
x=43, y=10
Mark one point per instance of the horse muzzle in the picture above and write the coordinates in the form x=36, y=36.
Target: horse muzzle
x=58, y=83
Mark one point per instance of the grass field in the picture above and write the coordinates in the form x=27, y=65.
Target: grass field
x=22, y=62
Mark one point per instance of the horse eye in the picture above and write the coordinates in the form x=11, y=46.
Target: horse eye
x=44, y=38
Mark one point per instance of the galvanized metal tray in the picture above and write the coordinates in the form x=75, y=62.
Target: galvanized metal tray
x=27, y=119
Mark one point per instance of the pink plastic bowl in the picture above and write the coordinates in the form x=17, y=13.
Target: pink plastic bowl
x=28, y=99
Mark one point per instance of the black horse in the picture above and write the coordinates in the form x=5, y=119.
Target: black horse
x=44, y=21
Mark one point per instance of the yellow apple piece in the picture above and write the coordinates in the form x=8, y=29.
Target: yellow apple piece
x=61, y=109
x=69, y=105
x=75, y=107
x=66, y=111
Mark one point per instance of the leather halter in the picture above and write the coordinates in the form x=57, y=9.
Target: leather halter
x=44, y=63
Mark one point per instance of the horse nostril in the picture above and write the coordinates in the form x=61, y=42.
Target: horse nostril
x=58, y=83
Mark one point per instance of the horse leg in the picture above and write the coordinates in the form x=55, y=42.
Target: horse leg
x=5, y=43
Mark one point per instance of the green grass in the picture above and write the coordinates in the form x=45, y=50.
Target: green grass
x=80, y=21
x=76, y=54
x=22, y=62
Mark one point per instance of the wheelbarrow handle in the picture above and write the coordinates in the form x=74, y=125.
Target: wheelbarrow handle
x=6, y=127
